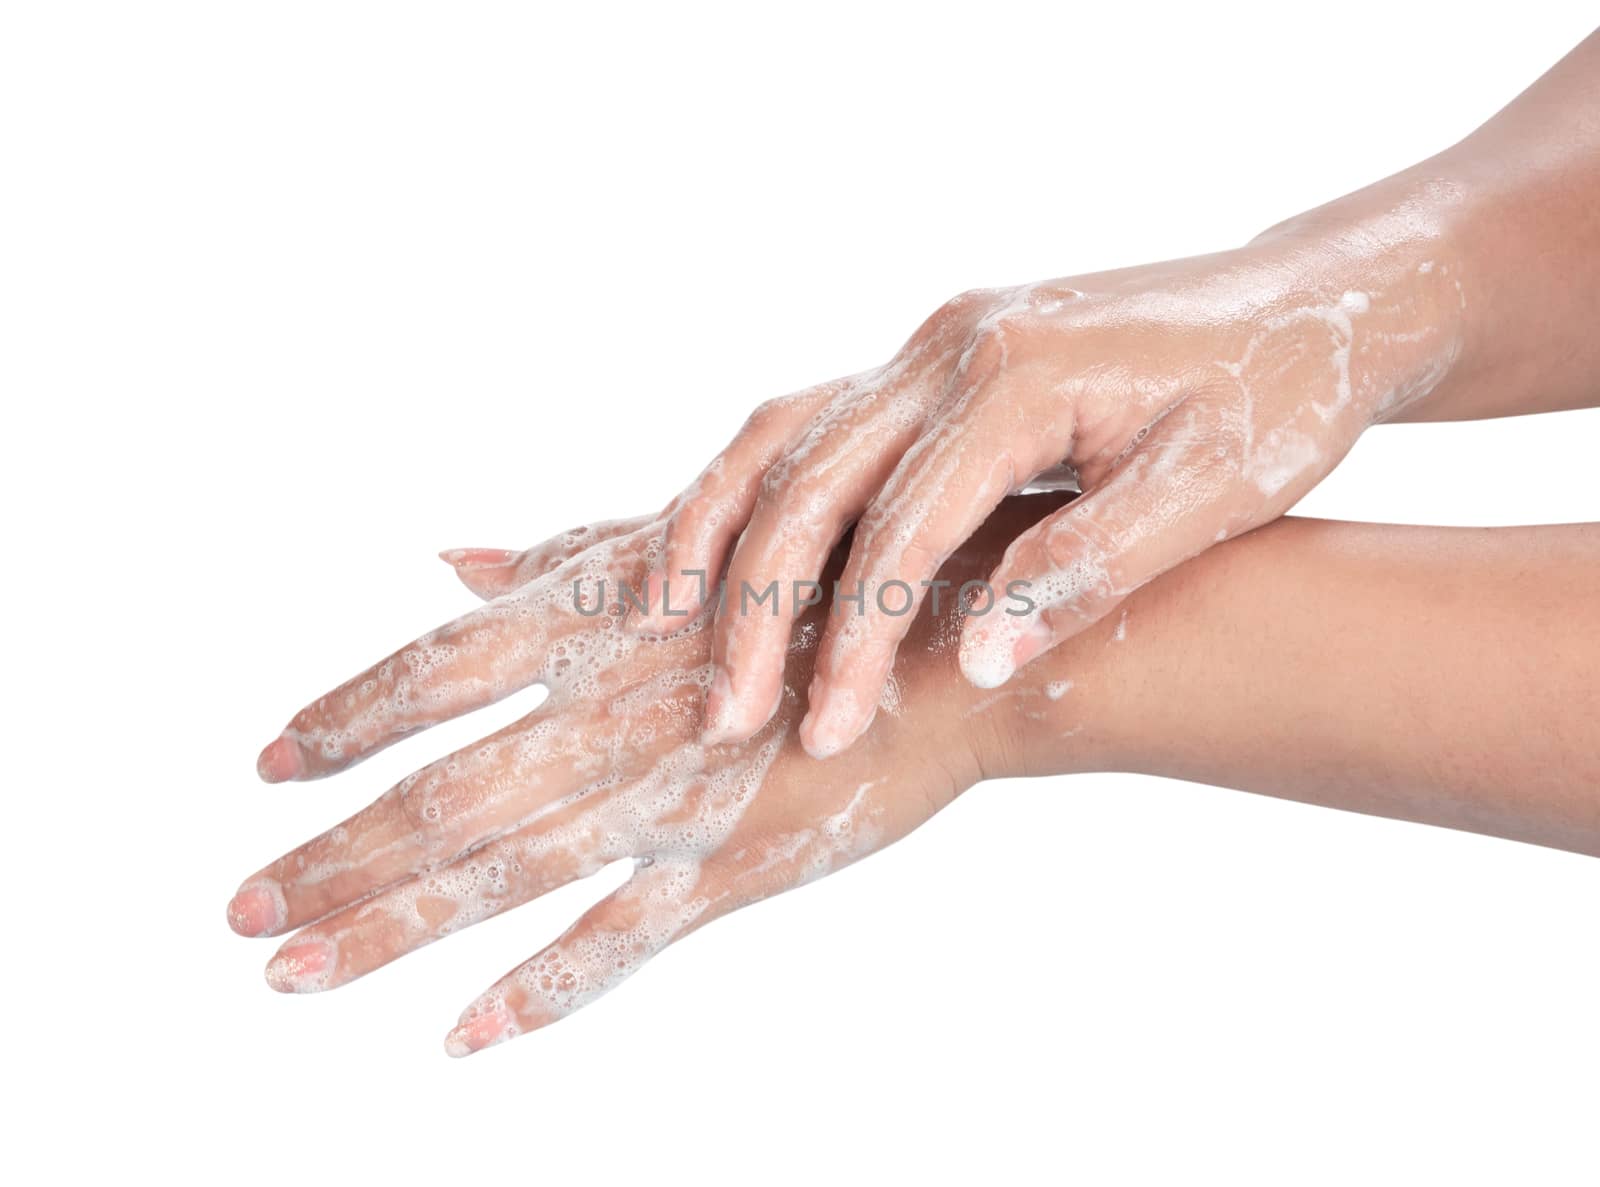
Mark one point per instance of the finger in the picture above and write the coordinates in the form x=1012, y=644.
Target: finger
x=806, y=503
x=520, y=638
x=707, y=518
x=1180, y=491
x=674, y=806
x=499, y=784
x=487, y=572
x=941, y=492
x=490, y=572
x=474, y=661
x=506, y=873
x=661, y=903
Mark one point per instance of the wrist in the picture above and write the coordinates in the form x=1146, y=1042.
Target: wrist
x=1072, y=710
x=1391, y=263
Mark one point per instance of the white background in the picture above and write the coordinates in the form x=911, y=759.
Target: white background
x=294, y=295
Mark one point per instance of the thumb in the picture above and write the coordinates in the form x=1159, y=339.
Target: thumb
x=1172, y=498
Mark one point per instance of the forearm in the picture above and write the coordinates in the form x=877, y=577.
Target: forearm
x=1506, y=226
x=1438, y=675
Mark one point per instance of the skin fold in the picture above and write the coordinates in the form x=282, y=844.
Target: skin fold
x=1194, y=400
x=1436, y=675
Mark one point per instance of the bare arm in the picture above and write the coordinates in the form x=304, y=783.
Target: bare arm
x=1515, y=208
x=1195, y=400
x=1437, y=675
x=1444, y=675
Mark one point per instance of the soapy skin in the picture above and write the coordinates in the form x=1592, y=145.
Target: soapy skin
x=1202, y=677
x=610, y=766
x=1194, y=400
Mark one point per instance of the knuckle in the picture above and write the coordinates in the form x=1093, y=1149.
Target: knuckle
x=775, y=483
x=899, y=535
x=1062, y=543
x=1080, y=562
x=886, y=539
x=1067, y=540
x=969, y=300
x=721, y=481
x=874, y=523
x=953, y=315
x=1210, y=443
x=757, y=431
x=998, y=331
x=691, y=508
x=987, y=353
x=421, y=801
x=768, y=429
x=763, y=418
x=794, y=494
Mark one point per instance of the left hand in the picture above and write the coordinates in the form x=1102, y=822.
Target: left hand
x=610, y=766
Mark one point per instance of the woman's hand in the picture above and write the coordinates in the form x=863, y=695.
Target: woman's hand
x=1205, y=676
x=1194, y=400
x=611, y=766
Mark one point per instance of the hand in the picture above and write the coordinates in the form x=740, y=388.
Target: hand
x=1205, y=678
x=609, y=767
x=1194, y=399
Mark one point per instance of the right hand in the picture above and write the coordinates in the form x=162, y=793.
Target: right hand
x=1195, y=400
x=609, y=767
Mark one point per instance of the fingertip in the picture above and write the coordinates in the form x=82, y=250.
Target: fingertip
x=487, y=572
x=816, y=742
x=729, y=717
x=719, y=732
x=719, y=724
x=280, y=760
x=477, y=1032
x=830, y=724
x=991, y=654
x=717, y=736
x=478, y=558
x=305, y=966
x=985, y=662
x=257, y=909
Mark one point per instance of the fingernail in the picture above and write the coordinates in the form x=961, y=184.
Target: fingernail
x=1031, y=645
x=478, y=558
x=477, y=1033
x=816, y=742
x=257, y=909
x=827, y=727
x=301, y=968
x=279, y=761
